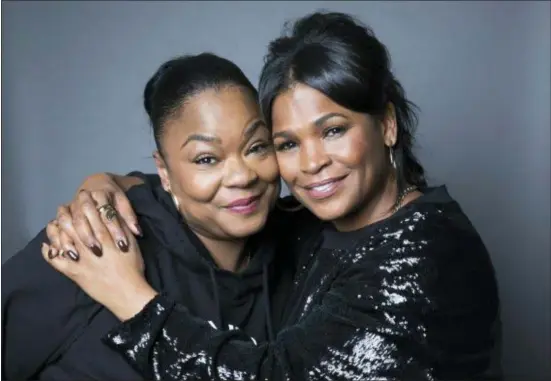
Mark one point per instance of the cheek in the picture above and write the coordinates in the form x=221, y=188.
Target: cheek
x=288, y=166
x=265, y=167
x=195, y=184
x=352, y=150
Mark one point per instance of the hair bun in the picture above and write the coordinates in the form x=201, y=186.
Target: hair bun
x=153, y=84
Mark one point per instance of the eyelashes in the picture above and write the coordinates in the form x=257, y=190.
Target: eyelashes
x=206, y=160
x=329, y=133
x=259, y=148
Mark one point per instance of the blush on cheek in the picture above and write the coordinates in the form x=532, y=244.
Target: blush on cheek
x=288, y=168
x=353, y=149
x=267, y=170
x=199, y=187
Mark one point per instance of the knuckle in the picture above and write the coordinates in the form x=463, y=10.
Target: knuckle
x=62, y=210
x=114, y=227
x=88, y=207
x=98, y=195
x=51, y=226
x=65, y=222
x=83, y=194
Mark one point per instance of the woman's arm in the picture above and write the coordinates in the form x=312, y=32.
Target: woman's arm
x=350, y=335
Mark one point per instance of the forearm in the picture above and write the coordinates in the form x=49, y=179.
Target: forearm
x=185, y=347
x=165, y=342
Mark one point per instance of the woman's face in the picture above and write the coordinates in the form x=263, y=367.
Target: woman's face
x=219, y=163
x=334, y=160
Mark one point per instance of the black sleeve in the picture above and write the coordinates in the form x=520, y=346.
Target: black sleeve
x=150, y=179
x=42, y=312
x=351, y=335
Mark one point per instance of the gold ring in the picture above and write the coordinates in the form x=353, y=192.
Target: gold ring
x=110, y=212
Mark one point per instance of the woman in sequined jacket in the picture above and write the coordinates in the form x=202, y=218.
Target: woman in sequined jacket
x=399, y=286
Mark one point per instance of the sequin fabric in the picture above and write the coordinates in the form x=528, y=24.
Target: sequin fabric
x=412, y=298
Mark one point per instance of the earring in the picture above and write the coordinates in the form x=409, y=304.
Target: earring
x=174, y=199
x=392, y=160
x=176, y=202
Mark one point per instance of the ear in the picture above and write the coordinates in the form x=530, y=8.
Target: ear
x=162, y=170
x=390, y=126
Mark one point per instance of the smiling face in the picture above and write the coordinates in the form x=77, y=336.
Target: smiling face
x=334, y=160
x=219, y=163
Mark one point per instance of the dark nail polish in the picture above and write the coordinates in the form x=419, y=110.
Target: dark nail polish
x=123, y=246
x=139, y=230
x=74, y=256
x=96, y=250
x=51, y=254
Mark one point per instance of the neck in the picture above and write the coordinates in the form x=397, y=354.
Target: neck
x=228, y=255
x=376, y=206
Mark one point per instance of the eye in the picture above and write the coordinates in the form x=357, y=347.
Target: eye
x=259, y=148
x=206, y=160
x=333, y=132
x=286, y=146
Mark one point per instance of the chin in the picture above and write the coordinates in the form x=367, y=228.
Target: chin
x=327, y=213
x=327, y=210
x=244, y=229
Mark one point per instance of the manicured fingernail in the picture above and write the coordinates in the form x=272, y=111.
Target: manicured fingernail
x=74, y=256
x=138, y=230
x=122, y=245
x=96, y=250
x=52, y=253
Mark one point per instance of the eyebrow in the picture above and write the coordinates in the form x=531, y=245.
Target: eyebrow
x=247, y=133
x=251, y=128
x=318, y=123
x=201, y=138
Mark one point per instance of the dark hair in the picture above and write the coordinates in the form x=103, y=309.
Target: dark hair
x=179, y=79
x=340, y=57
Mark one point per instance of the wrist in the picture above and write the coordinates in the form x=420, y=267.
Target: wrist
x=132, y=300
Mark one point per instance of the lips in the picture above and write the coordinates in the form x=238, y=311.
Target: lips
x=244, y=205
x=324, y=189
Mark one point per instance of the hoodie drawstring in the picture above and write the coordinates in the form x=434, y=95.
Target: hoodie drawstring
x=220, y=322
x=266, y=299
x=267, y=308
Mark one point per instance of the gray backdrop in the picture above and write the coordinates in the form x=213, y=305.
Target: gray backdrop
x=73, y=75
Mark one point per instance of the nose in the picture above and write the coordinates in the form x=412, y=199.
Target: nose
x=313, y=157
x=239, y=174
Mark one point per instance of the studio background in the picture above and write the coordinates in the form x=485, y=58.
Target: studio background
x=73, y=74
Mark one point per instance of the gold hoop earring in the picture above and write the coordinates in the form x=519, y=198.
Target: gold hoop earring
x=392, y=159
x=174, y=200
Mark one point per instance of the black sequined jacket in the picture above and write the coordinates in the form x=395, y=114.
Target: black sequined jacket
x=412, y=297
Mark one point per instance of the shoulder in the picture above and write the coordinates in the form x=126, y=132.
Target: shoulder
x=429, y=247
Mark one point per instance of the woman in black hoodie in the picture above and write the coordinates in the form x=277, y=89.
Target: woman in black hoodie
x=203, y=243
x=400, y=287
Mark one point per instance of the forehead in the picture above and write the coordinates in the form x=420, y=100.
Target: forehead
x=221, y=112
x=302, y=104
x=212, y=107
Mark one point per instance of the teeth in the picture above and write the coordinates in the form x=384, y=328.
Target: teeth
x=323, y=188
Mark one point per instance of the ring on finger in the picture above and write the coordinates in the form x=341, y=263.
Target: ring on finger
x=108, y=211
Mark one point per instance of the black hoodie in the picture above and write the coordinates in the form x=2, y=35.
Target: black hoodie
x=51, y=329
